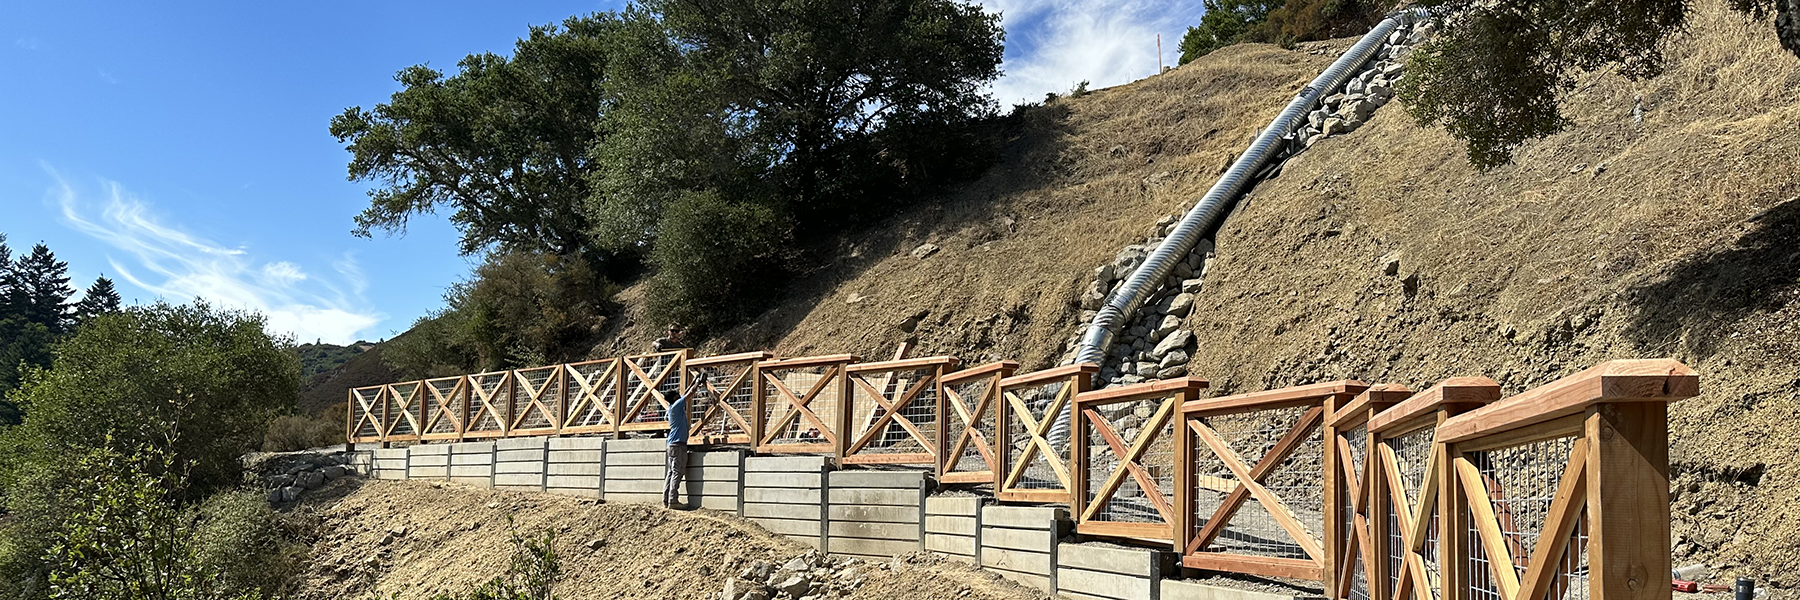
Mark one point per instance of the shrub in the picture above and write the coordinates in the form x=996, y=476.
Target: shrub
x=240, y=540
x=534, y=570
x=716, y=260
x=519, y=309
x=288, y=433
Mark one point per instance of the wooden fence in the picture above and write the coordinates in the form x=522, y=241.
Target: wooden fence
x=1374, y=491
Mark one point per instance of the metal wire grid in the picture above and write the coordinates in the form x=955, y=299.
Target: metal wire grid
x=1038, y=474
x=373, y=397
x=636, y=388
x=738, y=398
x=969, y=394
x=451, y=406
x=594, y=411
x=921, y=411
x=530, y=380
x=1359, y=580
x=1482, y=585
x=1522, y=483
x=487, y=384
x=1412, y=451
x=800, y=380
x=1296, y=483
x=1571, y=579
x=1129, y=503
x=403, y=398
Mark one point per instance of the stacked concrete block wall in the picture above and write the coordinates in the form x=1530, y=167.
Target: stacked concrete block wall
x=713, y=480
x=785, y=494
x=575, y=466
x=953, y=526
x=1094, y=572
x=875, y=514
x=1020, y=543
x=362, y=462
x=472, y=463
x=428, y=461
x=634, y=470
x=1187, y=590
x=388, y=463
x=519, y=463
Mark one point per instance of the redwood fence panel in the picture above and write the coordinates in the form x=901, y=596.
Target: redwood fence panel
x=721, y=412
x=802, y=405
x=971, y=398
x=894, y=411
x=1124, y=459
x=652, y=382
x=1032, y=468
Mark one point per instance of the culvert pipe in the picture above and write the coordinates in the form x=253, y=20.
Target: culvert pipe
x=1122, y=305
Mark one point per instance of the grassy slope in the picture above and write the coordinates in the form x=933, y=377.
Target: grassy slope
x=1616, y=239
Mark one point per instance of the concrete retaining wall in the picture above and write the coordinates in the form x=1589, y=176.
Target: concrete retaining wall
x=519, y=463
x=472, y=463
x=875, y=514
x=1020, y=543
x=362, y=462
x=1092, y=572
x=714, y=480
x=574, y=466
x=428, y=461
x=388, y=463
x=634, y=470
x=953, y=526
x=785, y=495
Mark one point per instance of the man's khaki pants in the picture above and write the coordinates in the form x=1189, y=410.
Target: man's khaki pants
x=676, y=471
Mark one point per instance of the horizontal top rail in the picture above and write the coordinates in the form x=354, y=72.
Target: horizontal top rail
x=1051, y=374
x=1146, y=389
x=1379, y=396
x=1467, y=392
x=723, y=359
x=808, y=361
x=1004, y=366
x=1291, y=396
x=904, y=363
x=1652, y=380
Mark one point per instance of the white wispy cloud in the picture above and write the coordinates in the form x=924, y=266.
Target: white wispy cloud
x=1105, y=42
x=108, y=77
x=177, y=265
x=28, y=43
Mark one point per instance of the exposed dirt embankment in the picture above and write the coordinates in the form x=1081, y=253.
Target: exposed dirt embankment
x=1664, y=222
x=411, y=539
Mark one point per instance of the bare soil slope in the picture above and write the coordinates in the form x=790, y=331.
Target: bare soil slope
x=410, y=539
x=1664, y=222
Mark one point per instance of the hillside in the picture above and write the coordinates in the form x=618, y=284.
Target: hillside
x=401, y=540
x=1662, y=223
x=332, y=385
x=320, y=357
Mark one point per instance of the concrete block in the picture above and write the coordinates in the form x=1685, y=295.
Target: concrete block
x=1187, y=590
x=808, y=512
x=572, y=469
x=641, y=486
x=578, y=443
x=784, y=463
x=789, y=527
x=472, y=448
x=883, y=497
x=429, y=460
x=427, y=472
x=1016, y=560
x=637, y=459
x=511, y=480
x=522, y=443
x=961, y=506
x=535, y=468
x=950, y=525
x=572, y=481
x=472, y=459
x=906, y=532
x=906, y=480
x=1136, y=563
x=783, y=480
x=716, y=458
x=1104, y=584
x=876, y=514
x=780, y=496
x=428, y=449
x=618, y=472
x=1017, y=539
x=638, y=445
x=950, y=544
x=526, y=455
x=1023, y=517
x=575, y=456
x=871, y=548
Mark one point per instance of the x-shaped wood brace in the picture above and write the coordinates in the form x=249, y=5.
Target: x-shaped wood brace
x=1565, y=511
x=487, y=399
x=1412, y=522
x=590, y=391
x=405, y=401
x=649, y=386
x=1251, y=484
x=800, y=405
x=971, y=433
x=1037, y=430
x=1270, y=461
x=445, y=409
x=891, y=412
x=368, y=411
x=719, y=406
x=534, y=395
x=1359, y=544
x=1128, y=462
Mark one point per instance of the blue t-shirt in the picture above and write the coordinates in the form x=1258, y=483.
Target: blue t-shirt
x=678, y=421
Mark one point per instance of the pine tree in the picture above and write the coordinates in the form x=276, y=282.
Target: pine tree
x=100, y=299
x=5, y=280
x=40, y=289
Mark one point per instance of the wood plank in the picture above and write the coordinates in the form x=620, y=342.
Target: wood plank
x=904, y=364
x=1487, y=525
x=1459, y=393
x=1568, y=426
x=725, y=359
x=1049, y=375
x=1153, y=532
x=1254, y=565
x=1628, y=489
x=1002, y=368
x=1619, y=381
x=1139, y=391
x=807, y=361
x=1565, y=510
x=1289, y=396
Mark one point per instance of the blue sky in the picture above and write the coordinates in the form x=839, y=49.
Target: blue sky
x=182, y=151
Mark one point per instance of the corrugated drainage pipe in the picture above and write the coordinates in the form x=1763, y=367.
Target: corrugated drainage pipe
x=1206, y=214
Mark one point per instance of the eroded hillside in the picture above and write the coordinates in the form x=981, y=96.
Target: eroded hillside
x=1662, y=223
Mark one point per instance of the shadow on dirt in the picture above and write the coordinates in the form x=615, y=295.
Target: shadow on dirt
x=1693, y=308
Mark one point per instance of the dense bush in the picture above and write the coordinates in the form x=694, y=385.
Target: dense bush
x=1283, y=22
x=715, y=259
x=519, y=309
x=288, y=433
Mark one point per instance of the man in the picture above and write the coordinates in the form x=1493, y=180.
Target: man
x=676, y=465
x=669, y=341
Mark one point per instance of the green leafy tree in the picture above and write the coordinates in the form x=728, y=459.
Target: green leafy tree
x=1498, y=73
x=716, y=260
x=100, y=299
x=1224, y=23
x=503, y=143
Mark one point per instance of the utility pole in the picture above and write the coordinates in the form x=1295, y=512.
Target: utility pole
x=1159, y=62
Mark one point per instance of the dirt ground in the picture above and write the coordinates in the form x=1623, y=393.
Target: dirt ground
x=1662, y=223
x=456, y=537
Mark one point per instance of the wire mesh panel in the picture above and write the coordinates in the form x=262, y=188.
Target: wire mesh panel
x=592, y=396
x=1408, y=457
x=404, y=410
x=1294, y=481
x=489, y=404
x=970, y=400
x=1522, y=512
x=721, y=411
x=365, y=416
x=1126, y=459
x=446, y=398
x=652, y=383
x=537, y=400
x=894, y=411
x=802, y=401
x=1035, y=469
